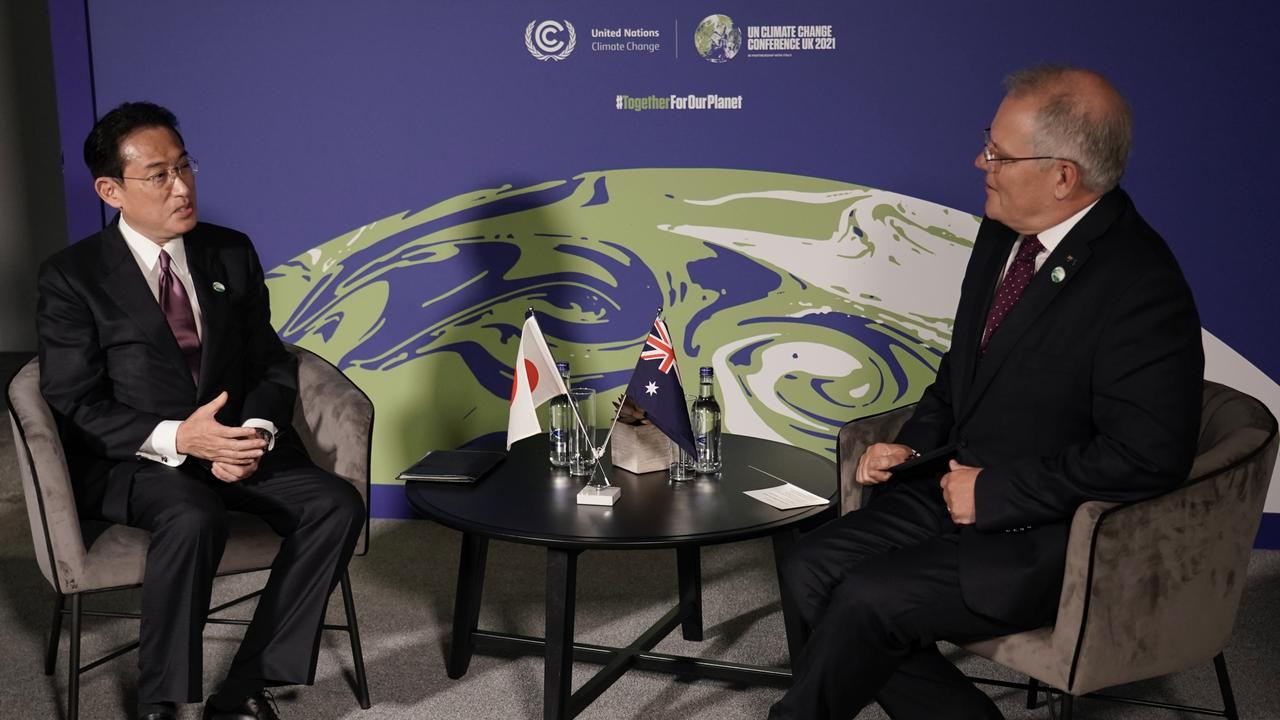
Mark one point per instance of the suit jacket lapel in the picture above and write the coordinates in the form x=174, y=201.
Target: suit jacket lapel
x=969, y=326
x=127, y=286
x=1041, y=292
x=213, y=307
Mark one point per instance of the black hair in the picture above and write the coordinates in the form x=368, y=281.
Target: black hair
x=102, y=147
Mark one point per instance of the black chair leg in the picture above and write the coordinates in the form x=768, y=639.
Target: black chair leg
x=1224, y=682
x=357, y=656
x=73, y=662
x=55, y=634
x=1033, y=693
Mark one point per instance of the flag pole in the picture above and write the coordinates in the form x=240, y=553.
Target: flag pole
x=592, y=494
x=595, y=452
x=609, y=436
x=595, y=494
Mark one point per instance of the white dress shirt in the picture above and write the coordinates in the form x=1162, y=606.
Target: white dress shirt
x=162, y=444
x=1048, y=238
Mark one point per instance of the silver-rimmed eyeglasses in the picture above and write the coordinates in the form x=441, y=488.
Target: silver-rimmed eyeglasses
x=162, y=179
x=995, y=160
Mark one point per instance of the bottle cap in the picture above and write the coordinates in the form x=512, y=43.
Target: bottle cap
x=705, y=372
x=563, y=367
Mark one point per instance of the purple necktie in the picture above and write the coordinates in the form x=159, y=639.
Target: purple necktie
x=1015, y=281
x=176, y=307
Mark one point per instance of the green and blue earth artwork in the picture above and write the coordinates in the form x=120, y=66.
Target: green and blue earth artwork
x=815, y=301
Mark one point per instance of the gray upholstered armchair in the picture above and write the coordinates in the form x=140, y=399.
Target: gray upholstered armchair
x=1136, y=573
x=333, y=418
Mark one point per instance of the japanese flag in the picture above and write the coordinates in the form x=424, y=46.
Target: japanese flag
x=534, y=382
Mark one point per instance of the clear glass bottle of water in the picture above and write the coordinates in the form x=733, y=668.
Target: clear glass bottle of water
x=561, y=423
x=706, y=425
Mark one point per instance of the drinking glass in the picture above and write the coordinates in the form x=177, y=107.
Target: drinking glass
x=681, y=466
x=582, y=439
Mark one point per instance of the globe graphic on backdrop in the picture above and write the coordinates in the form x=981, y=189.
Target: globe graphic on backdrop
x=814, y=300
x=717, y=39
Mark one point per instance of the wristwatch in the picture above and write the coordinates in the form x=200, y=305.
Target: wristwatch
x=266, y=435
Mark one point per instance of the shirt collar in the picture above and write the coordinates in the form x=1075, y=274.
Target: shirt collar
x=148, y=252
x=1054, y=235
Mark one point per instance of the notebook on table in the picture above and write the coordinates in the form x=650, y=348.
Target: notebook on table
x=453, y=466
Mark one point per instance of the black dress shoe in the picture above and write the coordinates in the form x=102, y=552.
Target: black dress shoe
x=259, y=706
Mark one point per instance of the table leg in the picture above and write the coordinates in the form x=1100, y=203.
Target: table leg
x=783, y=543
x=466, y=604
x=562, y=584
x=689, y=571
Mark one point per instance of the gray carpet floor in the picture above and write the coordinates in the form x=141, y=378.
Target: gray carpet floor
x=404, y=596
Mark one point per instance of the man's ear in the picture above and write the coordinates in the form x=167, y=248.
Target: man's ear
x=109, y=190
x=1067, y=180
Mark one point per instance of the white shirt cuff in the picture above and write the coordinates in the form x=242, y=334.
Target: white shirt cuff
x=162, y=444
x=265, y=425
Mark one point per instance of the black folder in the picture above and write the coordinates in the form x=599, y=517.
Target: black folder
x=934, y=462
x=453, y=466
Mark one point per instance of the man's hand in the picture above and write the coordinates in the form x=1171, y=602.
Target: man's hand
x=229, y=473
x=203, y=436
x=957, y=492
x=877, y=458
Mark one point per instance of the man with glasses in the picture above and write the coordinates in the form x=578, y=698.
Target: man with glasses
x=1074, y=374
x=174, y=399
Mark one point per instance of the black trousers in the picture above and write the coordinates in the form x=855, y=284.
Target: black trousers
x=875, y=591
x=185, y=509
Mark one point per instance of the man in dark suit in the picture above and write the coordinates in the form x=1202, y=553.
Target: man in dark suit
x=1074, y=374
x=174, y=398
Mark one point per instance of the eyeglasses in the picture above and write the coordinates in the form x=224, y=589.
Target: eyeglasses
x=186, y=169
x=995, y=162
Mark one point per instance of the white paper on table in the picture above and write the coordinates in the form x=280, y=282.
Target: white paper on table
x=786, y=497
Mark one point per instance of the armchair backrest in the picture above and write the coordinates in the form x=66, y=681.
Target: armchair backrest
x=1164, y=576
x=46, y=483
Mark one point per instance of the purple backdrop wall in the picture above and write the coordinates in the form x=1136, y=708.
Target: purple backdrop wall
x=312, y=119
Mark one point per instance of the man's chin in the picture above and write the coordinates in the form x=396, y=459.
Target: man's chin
x=992, y=208
x=182, y=226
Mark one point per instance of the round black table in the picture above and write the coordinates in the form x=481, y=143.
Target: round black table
x=526, y=500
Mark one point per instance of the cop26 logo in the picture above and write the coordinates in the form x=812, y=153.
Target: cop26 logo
x=545, y=40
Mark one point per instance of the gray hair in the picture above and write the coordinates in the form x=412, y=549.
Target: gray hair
x=1090, y=125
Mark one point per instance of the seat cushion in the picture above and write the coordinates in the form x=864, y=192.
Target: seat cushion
x=117, y=557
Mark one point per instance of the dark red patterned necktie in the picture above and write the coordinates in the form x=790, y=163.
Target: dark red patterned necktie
x=1015, y=281
x=176, y=306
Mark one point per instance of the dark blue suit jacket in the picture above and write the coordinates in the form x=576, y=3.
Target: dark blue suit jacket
x=1089, y=390
x=111, y=369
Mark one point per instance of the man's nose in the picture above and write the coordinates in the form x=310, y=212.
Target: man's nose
x=179, y=186
x=980, y=161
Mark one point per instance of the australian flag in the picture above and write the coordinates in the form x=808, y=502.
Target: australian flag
x=655, y=387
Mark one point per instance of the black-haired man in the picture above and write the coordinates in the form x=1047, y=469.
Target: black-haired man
x=174, y=398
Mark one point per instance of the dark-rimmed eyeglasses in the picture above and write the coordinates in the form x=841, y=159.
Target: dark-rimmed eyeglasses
x=996, y=161
x=162, y=179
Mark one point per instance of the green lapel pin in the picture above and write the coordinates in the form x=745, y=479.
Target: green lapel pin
x=219, y=287
x=1058, y=274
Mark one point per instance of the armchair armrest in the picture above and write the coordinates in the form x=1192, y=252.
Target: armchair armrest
x=334, y=419
x=854, y=438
